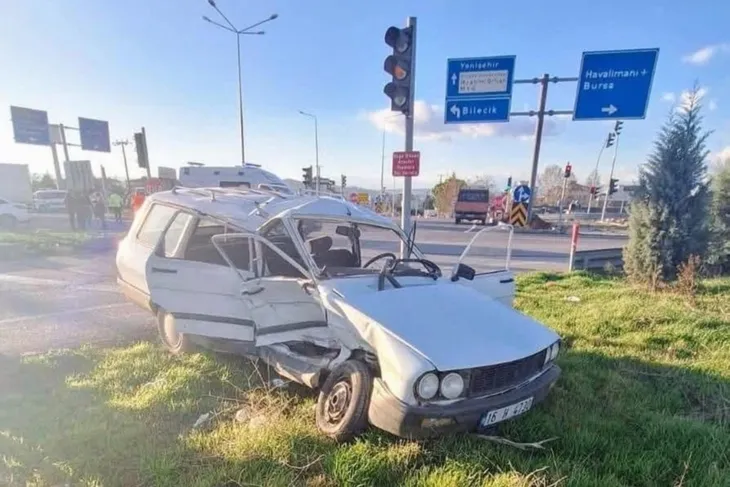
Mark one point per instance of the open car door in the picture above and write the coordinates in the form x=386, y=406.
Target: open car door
x=282, y=300
x=498, y=284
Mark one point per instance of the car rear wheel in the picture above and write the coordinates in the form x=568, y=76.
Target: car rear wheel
x=173, y=340
x=8, y=222
x=342, y=406
x=458, y=220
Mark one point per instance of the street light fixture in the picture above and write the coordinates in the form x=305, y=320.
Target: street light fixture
x=238, y=32
x=316, y=148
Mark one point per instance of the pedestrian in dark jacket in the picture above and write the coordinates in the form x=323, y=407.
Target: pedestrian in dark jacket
x=100, y=211
x=71, y=208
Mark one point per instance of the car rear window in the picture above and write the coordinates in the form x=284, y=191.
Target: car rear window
x=479, y=195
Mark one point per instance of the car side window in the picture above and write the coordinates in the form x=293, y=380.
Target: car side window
x=200, y=247
x=170, y=246
x=154, y=224
x=278, y=235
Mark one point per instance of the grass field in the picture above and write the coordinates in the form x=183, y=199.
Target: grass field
x=644, y=400
x=43, y=241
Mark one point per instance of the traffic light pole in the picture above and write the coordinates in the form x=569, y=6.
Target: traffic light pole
x=407, y=181
x=610, y=178
x=590, y=198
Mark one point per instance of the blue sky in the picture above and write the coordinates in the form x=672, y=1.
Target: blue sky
x=157, y=64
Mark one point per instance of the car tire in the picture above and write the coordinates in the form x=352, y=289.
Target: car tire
x=176, y=343
x=8, y=222
x=457, y=221
x=344, y=399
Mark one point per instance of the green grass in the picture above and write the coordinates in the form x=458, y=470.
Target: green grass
x=43, y=241
x=644, y=400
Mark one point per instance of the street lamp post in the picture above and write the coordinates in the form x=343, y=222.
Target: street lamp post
x=239, y=32
x=316, y=149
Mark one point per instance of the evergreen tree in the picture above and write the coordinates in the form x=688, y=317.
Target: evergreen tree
x=719, y=254
x=668, y=222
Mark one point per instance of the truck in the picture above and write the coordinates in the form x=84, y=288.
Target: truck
x=243, y=176
x=15, y=183
x=472, y=204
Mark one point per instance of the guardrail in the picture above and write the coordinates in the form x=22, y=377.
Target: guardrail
x=597, y=259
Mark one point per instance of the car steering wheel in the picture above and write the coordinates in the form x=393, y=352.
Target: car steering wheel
x=378, y=257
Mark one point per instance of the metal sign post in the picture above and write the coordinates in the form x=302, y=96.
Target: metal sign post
x=610, y=177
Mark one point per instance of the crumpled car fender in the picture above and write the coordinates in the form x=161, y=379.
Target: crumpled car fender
x=400, y=365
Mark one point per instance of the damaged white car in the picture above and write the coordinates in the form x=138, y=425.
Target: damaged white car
x=313, y=286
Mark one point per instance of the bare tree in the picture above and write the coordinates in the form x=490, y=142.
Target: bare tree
x=593, y=179
x=550, y=184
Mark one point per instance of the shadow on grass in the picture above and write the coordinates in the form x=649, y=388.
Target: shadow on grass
x=124, y=417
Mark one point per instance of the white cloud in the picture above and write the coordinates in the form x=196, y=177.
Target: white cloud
x=722, y=155
x=429, y=125
x=703, y=55
x=669, y=97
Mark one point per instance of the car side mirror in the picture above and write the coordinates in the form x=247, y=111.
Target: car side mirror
x=464, y=271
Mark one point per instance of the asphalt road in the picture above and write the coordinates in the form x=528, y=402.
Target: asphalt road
x=58, y=302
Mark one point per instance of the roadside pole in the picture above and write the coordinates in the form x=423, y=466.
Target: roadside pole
x=407, y=181
x=540, y=114
x=610, y=177
x=57, y=167
x=573, y=245
x=123, y=144
x=62, y=130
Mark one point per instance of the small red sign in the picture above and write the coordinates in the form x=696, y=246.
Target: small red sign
x=406, y=163
x=353, y=197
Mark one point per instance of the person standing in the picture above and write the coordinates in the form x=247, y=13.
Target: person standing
x=137, y=199
x=99, y=208
x=71, y=208
x=115, y=206
x=83, y=210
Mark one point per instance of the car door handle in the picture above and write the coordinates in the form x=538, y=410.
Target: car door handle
x=506, y=281
x=162, y=270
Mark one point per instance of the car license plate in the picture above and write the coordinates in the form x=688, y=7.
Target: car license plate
x=506, y=412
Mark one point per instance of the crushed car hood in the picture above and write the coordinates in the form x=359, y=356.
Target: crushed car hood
x=451, y=325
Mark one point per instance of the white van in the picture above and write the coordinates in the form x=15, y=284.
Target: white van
x=46, y=200
x=247, y=176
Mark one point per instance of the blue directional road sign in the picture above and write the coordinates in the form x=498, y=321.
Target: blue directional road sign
x=479, y=90
x=477, y=110
x=615, y=85
x=30, y=126
x=94, y=135
x=521, y=194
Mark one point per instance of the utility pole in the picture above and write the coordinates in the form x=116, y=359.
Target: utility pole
x=146, y=150
x=123, y=144
x=607, y=143
x=407, y=181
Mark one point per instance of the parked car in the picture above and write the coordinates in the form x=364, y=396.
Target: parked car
x=294, y=280
x=12, y=213
x=49, y=200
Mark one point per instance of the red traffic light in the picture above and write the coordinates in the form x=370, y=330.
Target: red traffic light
x=568, y=169
x=593, y=190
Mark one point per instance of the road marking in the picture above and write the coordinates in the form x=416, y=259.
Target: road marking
x=473, y=227
x=63, y=313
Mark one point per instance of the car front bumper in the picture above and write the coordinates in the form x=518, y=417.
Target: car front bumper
x=394, y=416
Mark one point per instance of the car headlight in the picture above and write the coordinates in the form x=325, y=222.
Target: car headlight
x=551, y=353
x=427, y=386
x=452, y=385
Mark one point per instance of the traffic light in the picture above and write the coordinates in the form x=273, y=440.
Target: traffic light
x=617, y=127
x=593, y=189
x=344, y=181
x=568, y=169
x=609, y=140
x=398, y=65
x=140, y=144
x=307, y=176
x=509, y=183
x=612, y=188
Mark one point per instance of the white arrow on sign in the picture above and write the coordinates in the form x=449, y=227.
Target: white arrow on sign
x=610, y=109
x=453, y=79
x=456, y=111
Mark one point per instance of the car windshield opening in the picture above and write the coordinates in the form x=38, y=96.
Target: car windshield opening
x=474, y=195
x=337, y=246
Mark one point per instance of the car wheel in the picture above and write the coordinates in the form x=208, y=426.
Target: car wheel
x=342, y=406
x=8, y=222
x=173, y=340
x=458, y=221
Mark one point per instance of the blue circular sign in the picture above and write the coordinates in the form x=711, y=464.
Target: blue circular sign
x=521, y=194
